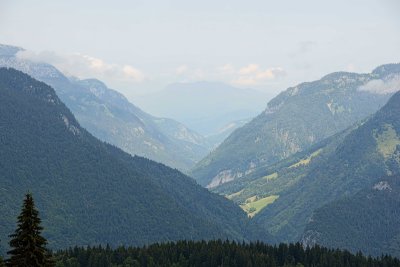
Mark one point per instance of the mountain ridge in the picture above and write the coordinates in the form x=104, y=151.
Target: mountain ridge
x=111, y=117
x=205, y=106
x=90, y=192
x=354, y=164
x=293, y=121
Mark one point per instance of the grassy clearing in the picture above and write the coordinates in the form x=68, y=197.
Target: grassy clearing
x=254, y=205
x=307, y=160
x=387, y=141
x=251, y=199
x=271, y=176
x=231, y=196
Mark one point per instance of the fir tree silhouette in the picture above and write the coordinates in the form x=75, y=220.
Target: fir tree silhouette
x=27, y=244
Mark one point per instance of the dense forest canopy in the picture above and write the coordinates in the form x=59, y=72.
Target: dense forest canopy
x=217, y=253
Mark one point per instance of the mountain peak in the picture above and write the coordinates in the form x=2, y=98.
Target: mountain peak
x=339, y=75
x=93, y=82
x=386, y=69
x=9, y=50
x=28, y=84
x=15, y=80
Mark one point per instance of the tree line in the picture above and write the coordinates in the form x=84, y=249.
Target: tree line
x=28, y=249
x=217, y=253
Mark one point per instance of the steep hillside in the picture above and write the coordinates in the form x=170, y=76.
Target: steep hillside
x=90, y=192
x=109, y=116
x=368, y=221
x=217, y=138
x=272, y=180
x=283, y=196
x=366, y=153
x=112, y=118
x=295, y=120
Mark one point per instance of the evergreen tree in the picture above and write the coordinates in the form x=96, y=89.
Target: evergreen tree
x=27, y=244
x=1, y=260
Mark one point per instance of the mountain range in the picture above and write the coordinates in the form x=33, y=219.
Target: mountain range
x=90, y=192
x=296, y=119
x=320, y=165
x=340, y=192
x=109, y=116
x=207, y=107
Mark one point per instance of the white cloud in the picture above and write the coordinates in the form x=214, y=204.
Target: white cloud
x=249, y=69
x=254, y=75
x=85, y=66
x=45, y=56
x=379, y=86
x=133, y=73
x=249, y=75
x=181, y=69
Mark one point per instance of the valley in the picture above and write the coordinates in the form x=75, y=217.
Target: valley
x=199, y=133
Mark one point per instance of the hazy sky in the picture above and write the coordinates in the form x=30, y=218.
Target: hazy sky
x=141, y=46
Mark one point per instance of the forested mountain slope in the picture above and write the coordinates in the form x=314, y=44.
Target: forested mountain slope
x=284, y=196
x=90, y=192
x=368, y=221
x=366, y=154
x=295, y=120
x=109, y=116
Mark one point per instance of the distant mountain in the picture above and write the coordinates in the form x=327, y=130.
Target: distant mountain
x=7, y=50
x=222, y=133
x=296, y=119
x=111, y=117
x=90, y=192
x=205, y=107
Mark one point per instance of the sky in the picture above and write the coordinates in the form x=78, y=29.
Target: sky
x=139, y=47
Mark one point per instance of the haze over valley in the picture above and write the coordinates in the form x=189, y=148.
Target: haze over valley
x=170, y=133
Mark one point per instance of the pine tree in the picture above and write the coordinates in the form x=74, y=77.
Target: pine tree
x=1, y=260
x=27, y=245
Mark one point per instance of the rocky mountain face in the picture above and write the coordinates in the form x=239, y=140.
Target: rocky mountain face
x=109, y=116
x=296, y=119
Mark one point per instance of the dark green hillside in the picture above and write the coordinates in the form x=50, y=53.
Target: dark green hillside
x=367, y=153
x=368, y=221
x=90, y=192
x=293, y=121
x=283, y=197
